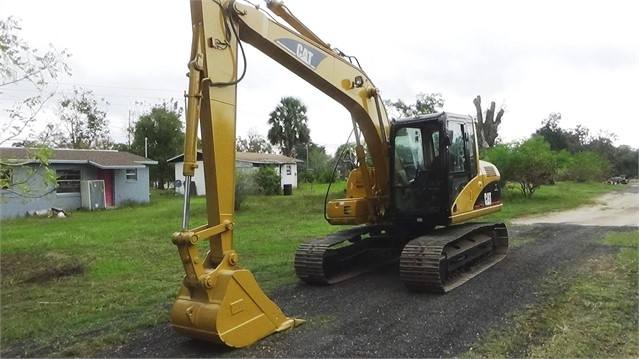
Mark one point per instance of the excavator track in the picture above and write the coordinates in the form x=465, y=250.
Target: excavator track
x=436, y=262
x=448, y=257
x=346, y=254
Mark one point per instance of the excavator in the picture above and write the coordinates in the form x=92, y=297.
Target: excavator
x=413, y=204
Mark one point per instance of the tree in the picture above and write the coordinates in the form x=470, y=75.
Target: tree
x=317, y=166
x=627, y=160
x=28, y=70
x=530, y=163
x=83, y=124
x=579, y=140
x=347, y=158
x=589, y=166
x=558, y=138
x=253, y=143
x=487, y=126
x=572, y=140
x=30, y=177
x=122, y=147
x=289, y=126
x=244, y=186
x=602, y=143
x=424, y=104
x=162, y=129
x=320, y=165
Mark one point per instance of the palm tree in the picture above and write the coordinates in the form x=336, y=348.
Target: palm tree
x=289, y=125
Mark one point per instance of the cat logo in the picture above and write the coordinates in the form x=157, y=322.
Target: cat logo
x=308, y=55
x=304, y=54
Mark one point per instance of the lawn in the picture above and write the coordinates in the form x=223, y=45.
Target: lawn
x=72, y=286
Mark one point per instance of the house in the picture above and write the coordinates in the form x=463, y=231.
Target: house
x=85, y=178
x=286, y=168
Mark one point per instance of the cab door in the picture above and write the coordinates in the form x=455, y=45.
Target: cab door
x=462, y=156
x=419, y=172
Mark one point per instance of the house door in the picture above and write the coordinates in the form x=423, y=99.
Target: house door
x=107, y=177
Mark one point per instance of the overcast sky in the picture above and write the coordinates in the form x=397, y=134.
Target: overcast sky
x=579, y=58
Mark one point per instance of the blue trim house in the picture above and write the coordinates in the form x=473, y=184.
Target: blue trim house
x=123, y=177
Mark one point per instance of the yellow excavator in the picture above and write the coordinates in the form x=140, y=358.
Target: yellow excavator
x=426, y=180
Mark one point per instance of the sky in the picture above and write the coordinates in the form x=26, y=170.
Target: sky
x=578, y=58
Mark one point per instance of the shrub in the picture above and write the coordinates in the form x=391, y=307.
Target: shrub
x=268, y=181
x=530, y=163
x=589, y=166
x=244, y=186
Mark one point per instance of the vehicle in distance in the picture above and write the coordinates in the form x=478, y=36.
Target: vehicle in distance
x=617, y=180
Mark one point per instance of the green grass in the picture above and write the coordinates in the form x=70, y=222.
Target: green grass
x=596, y=317
x=96, y=276
x=72, y=286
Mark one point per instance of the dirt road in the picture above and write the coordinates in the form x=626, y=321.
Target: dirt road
x=612, y=209
x=375, y=316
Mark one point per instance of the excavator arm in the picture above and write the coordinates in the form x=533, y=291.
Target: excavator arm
x=219, y=301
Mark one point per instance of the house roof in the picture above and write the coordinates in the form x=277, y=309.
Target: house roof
x=252, y=157
x=105, y=159
x=264, y=158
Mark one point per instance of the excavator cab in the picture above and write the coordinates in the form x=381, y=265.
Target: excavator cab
x=434, y=158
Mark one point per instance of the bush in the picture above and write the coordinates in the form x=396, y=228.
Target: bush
x=589, y=166
x=268, y=181
x=244, y=186
x=530, y=163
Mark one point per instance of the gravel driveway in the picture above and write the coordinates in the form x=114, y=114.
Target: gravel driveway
x=376, y=316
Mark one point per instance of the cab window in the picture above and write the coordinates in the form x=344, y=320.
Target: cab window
x=409, y=154
x=457, y=158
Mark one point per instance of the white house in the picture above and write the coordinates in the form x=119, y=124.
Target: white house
x=286, y=167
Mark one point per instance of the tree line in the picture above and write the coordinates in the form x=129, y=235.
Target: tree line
x=550, y=154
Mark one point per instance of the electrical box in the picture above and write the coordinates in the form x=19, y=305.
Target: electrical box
x=93, y=195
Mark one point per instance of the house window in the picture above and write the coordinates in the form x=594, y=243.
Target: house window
x=289, y=170
x=132, y=175
x=6, y=177
x=68, y=181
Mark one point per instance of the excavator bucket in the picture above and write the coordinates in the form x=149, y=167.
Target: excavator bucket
x=234, y=312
